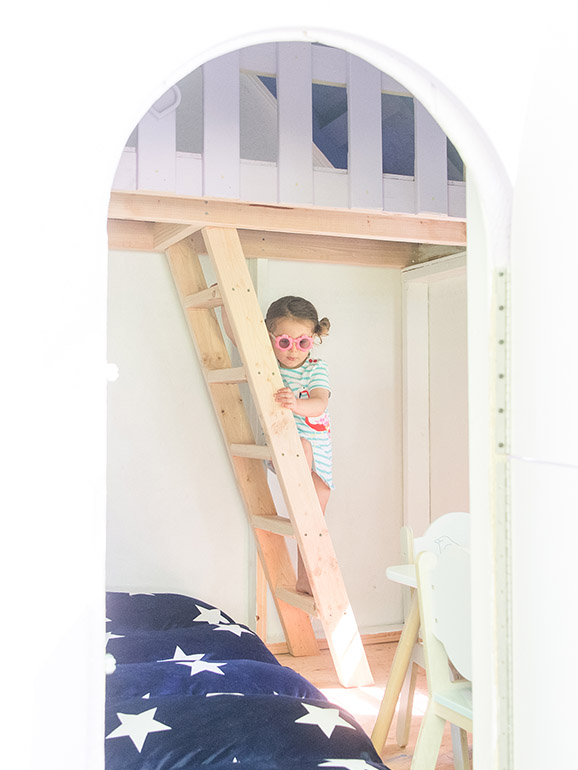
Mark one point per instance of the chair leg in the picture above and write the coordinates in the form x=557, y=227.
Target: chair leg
x=429, y=740
x=460, y=748
x=406, y=706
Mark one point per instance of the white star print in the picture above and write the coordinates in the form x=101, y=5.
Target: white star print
x=137, y=727
x=234, y=629
x=348, y=764
x=326, y=719
x=195, y=662
x=213, y=616
x=110, y=635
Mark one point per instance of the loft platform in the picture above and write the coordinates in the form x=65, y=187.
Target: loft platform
x=148, y=221
x=289, y=125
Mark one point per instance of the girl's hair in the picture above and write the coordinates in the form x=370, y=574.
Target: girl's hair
x=300, y=309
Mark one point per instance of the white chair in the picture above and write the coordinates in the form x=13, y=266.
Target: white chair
x=450, y=528
x=443, y=585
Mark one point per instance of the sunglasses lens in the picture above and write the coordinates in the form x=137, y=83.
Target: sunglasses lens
x=305, y=343
x=284, y=343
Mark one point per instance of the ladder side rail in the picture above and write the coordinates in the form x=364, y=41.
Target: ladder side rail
x=310, y=529
x=250, y=473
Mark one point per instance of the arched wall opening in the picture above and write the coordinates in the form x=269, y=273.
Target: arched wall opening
x=488, y=216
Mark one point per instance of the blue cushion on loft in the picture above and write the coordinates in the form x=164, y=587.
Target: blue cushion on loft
x=215, y=642
x=261, y=732
x=201, y=676
x=155, y=612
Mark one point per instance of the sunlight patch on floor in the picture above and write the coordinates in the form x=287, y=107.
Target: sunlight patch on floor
x=367, y=700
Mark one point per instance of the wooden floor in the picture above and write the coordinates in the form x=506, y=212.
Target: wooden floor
x=363, y=702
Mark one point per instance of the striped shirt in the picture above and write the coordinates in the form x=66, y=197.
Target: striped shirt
x=317, y=430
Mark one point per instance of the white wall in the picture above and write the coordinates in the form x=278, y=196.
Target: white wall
x=175, y=520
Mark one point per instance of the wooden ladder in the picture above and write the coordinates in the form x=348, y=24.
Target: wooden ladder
x=234, y=290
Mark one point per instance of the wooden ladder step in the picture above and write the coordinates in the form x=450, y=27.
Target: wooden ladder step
x=252, y=451
x=293, y=597
x=233, y=375
x=207, y=298
x=273, y=523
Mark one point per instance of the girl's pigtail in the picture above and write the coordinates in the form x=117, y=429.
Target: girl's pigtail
x=322, y=328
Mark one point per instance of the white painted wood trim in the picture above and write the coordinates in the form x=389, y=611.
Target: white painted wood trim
x=431, y=190
x=442, y=268
x=391, y=86
x=189, y=174
x=415, y=406
x=261, y=59
x=364, y=126
x=329, y=65
x=221, y=127
x=125, y=176
x=415, y=390
x=294, y=98
x=157, y=145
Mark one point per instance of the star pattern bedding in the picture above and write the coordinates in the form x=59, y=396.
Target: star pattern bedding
x=193, y=689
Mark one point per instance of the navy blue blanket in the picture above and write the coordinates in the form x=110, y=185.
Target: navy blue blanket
x=193, y=689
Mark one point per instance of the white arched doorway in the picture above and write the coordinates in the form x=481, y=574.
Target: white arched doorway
x=488, y=213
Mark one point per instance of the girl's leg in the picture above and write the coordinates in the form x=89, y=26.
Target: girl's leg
x=323, y=493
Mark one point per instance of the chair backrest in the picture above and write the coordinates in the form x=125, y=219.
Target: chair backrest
x=444, y=593
x=451, y=528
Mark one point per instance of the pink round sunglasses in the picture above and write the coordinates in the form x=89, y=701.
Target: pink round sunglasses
x=285, y=342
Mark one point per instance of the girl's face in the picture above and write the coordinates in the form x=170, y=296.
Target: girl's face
x=294, y=327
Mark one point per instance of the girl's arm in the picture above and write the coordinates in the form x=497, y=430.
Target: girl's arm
x=313, y=406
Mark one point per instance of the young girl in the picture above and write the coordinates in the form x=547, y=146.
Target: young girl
x=293, y=325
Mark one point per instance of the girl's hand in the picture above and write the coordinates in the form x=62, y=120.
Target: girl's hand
x=285, y=397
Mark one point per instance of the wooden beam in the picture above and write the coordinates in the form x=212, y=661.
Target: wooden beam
x=130, y=236
x=322, y=248
x=348, y=223
x=166, y=235
x=126, y=235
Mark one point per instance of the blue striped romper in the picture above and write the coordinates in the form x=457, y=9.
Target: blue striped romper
x=313, y=373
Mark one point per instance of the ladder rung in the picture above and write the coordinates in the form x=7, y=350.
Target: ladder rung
x=232, y=376
x=210, y=297
x=253, y=451
x=296, y=599
x=273, y=523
